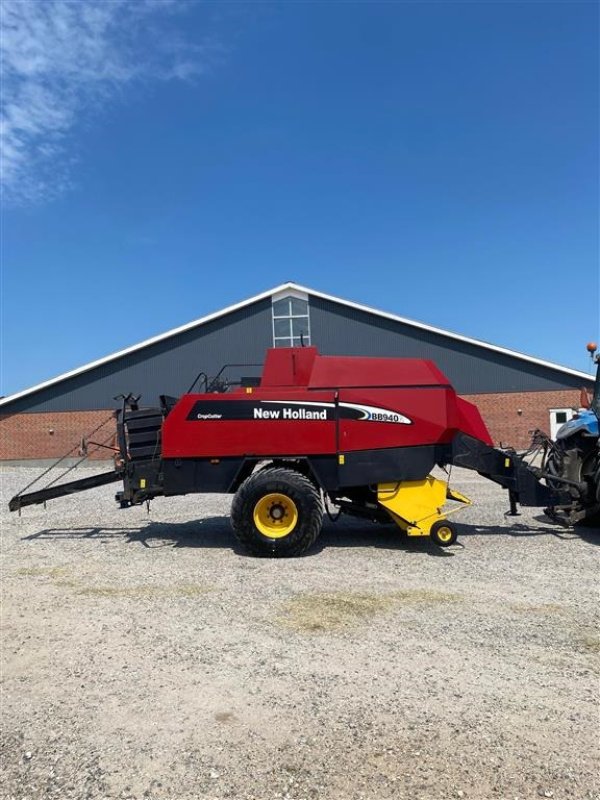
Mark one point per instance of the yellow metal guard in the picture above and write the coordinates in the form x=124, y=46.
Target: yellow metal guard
x=416, y=505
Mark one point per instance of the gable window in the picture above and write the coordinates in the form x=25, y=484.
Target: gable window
x=291, y=320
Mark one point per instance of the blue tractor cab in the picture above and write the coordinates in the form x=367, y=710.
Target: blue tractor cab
x=573, y=462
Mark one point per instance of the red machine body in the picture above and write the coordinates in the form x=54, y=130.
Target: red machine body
x=313, y=405
x=362, y=434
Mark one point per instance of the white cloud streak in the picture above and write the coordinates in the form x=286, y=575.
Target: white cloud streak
x=64, y=60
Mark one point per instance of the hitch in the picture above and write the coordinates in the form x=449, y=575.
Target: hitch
x=54, y=489
x=19, y=501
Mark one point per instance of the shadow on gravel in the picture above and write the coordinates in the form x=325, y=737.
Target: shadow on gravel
x=206, y=533
x=215, y=532
x=582, y=530
x=517, y=530
x=387, y=537
x=590, y=535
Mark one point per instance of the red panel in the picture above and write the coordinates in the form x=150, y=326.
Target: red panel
x=416, y=407
x=471, y=422
x=185, y=438
x=425, y=410
x=351, y=371
x=288, y=366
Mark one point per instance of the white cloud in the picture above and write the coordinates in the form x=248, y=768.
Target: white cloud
x=61, y=61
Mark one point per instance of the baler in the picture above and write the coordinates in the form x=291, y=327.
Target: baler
x=360, y=436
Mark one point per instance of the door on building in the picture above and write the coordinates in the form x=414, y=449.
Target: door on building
x=558, y=417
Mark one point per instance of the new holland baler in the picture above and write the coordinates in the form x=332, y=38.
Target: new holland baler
x=360, y=435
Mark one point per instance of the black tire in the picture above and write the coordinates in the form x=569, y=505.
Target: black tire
x=591, y=521
x=443, y=533
x=303, y=496
x=292, y=466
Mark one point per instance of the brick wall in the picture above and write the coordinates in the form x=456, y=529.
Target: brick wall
x=50, y=435
x=510, y=417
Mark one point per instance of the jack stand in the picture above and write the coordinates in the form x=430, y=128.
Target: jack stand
x=513, y=506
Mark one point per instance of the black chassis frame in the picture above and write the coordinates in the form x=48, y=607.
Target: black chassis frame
x=350, y=482
x=147, y=478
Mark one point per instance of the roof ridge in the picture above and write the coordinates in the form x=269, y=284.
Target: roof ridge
x=262, y=296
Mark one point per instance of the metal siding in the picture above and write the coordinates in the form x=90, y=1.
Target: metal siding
x=340, y=330
x=168, y=367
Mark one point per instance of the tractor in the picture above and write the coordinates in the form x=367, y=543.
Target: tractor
x=575, y=456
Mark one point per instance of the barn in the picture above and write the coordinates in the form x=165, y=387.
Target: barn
x=514, y=392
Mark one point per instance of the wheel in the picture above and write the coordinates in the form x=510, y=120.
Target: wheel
x=277, y=513
x=592, y=520
x=443, y=533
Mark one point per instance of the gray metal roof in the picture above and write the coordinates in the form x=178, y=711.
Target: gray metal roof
x=432, y=343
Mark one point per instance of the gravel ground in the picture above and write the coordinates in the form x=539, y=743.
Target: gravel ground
x=145, y=656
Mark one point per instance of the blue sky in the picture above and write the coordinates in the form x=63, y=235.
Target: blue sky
x=163, y=160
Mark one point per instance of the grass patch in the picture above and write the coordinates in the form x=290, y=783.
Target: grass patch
x=145, y=590
x=67, y=584
x=335, y=611
x=43, y=572
x=424, y=596
x=591, y=644
x=332, y=611
x=225, y=716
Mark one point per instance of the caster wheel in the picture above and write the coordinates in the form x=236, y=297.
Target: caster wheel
x=443, y=533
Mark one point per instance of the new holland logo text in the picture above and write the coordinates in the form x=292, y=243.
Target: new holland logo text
x=291, y=410
x=289, y=413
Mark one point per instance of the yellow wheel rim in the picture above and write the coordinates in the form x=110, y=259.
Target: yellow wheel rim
x=275, y=515
x=444, y=534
